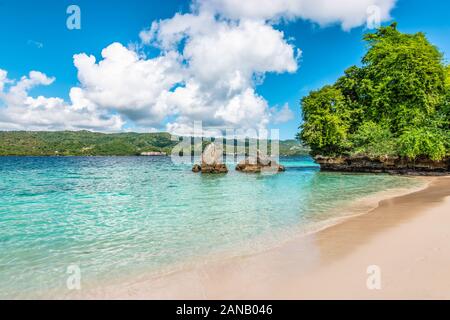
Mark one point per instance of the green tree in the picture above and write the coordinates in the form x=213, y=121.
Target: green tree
x=325, y=120
x=396, y=103
x=404, y=78
x=373, y=139
x=350, y=85
x=446, y=105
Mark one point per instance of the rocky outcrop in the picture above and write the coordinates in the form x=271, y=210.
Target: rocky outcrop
x=391, y=165
x=260, y=163
x=216, y=168
x=211, y=160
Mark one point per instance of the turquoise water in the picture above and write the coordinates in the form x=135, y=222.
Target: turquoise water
x=115, y=217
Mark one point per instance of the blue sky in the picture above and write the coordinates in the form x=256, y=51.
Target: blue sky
x=34, y=37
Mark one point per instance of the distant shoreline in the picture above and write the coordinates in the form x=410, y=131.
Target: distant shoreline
x=121, y=156
x=87, y=143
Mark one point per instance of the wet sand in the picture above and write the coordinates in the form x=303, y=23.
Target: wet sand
x=407, y=238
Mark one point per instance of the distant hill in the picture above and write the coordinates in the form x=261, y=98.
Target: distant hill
x=86, y=143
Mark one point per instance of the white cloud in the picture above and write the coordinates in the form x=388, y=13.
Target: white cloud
x=224, y=60
x=238, y=52
x=3, y=80
x=228, y=47
x=347, y=13
x=23, y=112
x=36, y=44
x=125, y=83
x=169, y=32
x=210, y=63
x=19, y=92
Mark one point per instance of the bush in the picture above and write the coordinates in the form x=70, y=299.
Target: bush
x=373, y=139
x=423, y=142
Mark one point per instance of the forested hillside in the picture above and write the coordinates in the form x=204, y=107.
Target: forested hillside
x=86, y=143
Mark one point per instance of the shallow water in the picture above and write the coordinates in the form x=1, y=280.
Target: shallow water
x=116, y=216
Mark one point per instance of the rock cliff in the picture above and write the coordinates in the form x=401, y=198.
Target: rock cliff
x=392, y=165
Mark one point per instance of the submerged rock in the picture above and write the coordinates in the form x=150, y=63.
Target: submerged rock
x=260, y=163
x=211, y=160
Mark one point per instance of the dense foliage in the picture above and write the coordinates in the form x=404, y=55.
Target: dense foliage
x=396, y=104
x=82, y=143
x=86, y=143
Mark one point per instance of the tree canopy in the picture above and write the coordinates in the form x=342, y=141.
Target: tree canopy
x=396, y=103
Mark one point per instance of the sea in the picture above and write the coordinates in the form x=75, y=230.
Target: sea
x=106, y=219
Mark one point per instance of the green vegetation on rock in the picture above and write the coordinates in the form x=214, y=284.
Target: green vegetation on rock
x=396, y=104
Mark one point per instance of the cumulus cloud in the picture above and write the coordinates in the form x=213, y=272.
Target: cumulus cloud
x=209, y=65
x=125, y=83
x=348, y=13
x=3, y=80
x=23, y=112
x=225, y=60
x=229, y=45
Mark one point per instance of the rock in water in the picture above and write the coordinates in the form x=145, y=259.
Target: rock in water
x=217, y=168
x=211, y=160
x=262, y=163
x=263, y=159
x=212, y=155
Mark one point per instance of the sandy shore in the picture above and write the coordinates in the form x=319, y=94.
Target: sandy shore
x=406, y=238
